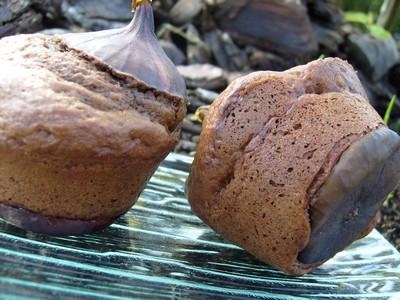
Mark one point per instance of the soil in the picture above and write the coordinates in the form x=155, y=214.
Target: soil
x=390, y=220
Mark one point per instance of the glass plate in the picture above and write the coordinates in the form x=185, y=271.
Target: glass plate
x=160, y=250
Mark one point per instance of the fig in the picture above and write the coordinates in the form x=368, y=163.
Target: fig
x=293, y=166
x=133, y=49
x=85, y=120
x=352, y=194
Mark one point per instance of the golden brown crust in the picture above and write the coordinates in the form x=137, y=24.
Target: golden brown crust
x=58, y=98
x=298, y=117
x=77, y=138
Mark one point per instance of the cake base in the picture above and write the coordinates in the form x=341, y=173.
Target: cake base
x=38, y=223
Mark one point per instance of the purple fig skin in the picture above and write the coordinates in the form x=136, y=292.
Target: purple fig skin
x=135, y=50
x=350, y=198
x=38, y=223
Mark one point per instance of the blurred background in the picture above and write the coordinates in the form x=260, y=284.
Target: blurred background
x=215, y=41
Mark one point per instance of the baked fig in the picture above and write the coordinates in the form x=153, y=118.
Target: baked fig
x=85, y=120
x=133, y=49
x=293, y=166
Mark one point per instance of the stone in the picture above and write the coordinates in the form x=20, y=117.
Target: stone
x=326, y=12
x=186, y=146
x=184, y=11
x=97, y=14
x=11, y=11
x=267, y=61
x=173, y=52
x=228, y=56
x=279, y=26
x=378, y=91
x=196, y=139
x=327, y=38
x=50, y=9
x=190, y=126
x=26, y=16
x=375, y=56
x=394, y=77
x=27, y=22
x=55, y=31
x=232, y=76
x=206, y=96
x=194, y=102
x=203, y=76
x=197, y=51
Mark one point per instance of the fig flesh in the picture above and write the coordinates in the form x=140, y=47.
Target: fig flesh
x=351, y=196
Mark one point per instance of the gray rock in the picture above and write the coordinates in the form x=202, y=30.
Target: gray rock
x=232, y=76
x=203, y=76
x=26, y=16
x=186, y=146
x=378, y=92
x=194, y=102
x=200, y=97
x=394, y=77
x=208, y=97
x=10, y=11
x=27, y=22
x=173, y=52
x=228, y=56
x=263, y=60
x=196, y=139
x=55, y=31
x=50, y=9
x=375, y=56
x=185, y=10
x=97, y=14
x=279, y=26
x=190, y=126
x=325, y=11
x=197, y=52
x=329, y=39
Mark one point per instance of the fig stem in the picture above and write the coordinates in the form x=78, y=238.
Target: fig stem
x=136, y=3
x=201, y=113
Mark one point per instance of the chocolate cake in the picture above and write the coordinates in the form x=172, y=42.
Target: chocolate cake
x=293, y=166
x=78, y=138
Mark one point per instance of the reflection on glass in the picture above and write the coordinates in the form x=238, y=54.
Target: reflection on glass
x=161, y=250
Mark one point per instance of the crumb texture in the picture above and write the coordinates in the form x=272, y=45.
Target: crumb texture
x=77, y=138
x=263, y=145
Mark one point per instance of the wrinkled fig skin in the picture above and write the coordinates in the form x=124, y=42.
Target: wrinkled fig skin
x=49, y=225
x=351, y=197
x=133, y=49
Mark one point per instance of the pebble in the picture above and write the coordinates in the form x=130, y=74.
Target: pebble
x=97, y=14
x=375, y=56
x=196, y=139
x=190, y=126
x=173, y=52
x=186, y=146
x=208, y=97
x=204, y=76
x=185, y=10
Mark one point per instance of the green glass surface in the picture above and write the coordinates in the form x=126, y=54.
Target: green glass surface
x=160, y=250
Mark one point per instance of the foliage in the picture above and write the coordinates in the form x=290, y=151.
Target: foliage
x=372, y=6
x=368, y=11
x=389, y=110
x=367, y=22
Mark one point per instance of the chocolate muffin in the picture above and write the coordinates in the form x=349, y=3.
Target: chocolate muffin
x=78, y=138
x=293, y=166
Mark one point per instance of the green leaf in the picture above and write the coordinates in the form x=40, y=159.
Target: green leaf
x=378, y=31
x=359, y=17
x=389, y=110
x=390, y=198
